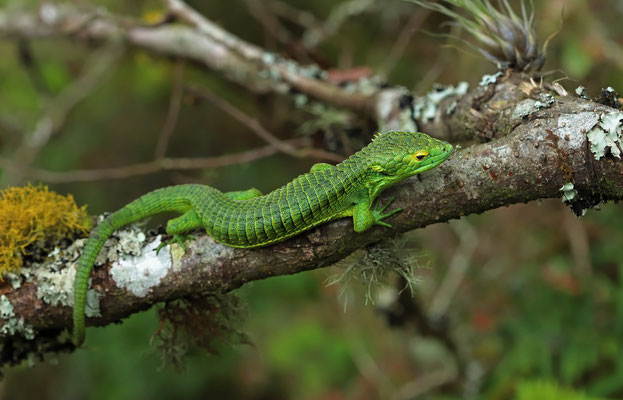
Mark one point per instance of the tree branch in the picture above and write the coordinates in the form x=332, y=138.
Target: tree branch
x=198, y=40
x=533, y=162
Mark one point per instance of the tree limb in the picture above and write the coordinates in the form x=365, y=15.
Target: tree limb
x=532, y=162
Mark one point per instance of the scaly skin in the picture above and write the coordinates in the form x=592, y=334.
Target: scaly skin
x=249, y=219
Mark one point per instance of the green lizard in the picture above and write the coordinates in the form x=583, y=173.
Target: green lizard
x=249, y=219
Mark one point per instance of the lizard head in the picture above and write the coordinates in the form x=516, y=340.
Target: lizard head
x=396, y=155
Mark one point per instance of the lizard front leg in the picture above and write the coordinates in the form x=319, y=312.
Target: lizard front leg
x=366, y=216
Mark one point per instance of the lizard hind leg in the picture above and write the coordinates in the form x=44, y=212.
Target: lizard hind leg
x=179, y=228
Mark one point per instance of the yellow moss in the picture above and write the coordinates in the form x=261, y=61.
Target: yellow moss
x=34, y=214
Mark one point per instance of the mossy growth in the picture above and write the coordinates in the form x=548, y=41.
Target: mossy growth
x=378, y=264
x=35, y=217
x=207, y=322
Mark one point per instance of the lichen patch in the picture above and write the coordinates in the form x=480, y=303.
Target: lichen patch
x=489, y=79
x=56, y=287
x=606, y=135
x=425, y=108
x=568, y=192
x=13, y=325
x=545, y=101
x=140, y=273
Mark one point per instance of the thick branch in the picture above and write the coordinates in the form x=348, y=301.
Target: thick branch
x=533, y=162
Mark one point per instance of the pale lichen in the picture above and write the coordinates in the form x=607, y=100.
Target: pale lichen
x=127, y=241
x=581, y=92
x=452, y=107
x=606, y=134
x=56, y=287
x=489, y=79
x=55, y=277
x=545, y=101
x=92, y=308
x=12, y=325
x=425, y=108
x=388, y=102
x=6, y=308
x=568, y=192
x=141, y=272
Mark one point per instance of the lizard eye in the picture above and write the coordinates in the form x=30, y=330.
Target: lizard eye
x=420, y=155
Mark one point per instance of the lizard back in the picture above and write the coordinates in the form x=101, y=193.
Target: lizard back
x=308, y=200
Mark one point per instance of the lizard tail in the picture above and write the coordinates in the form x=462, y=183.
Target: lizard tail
x=174, y=198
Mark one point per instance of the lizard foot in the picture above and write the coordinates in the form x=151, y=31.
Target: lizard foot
x=378, y=215
x=177, y=238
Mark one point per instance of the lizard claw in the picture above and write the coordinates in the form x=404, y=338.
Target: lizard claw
x=378, y=213
x=179, y=239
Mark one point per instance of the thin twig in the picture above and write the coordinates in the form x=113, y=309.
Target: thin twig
x=426, y=383
x=175, y=104
x=578, y=243
x=457, y=269
x=400, y=45
x=245, y=120
x=267, y=19
x=32, y=68
x=342, y=12
x=275, y=30
x=198, y=40
x=303, y=18
x=282, y=71
x=163, y=164
x=57, y=110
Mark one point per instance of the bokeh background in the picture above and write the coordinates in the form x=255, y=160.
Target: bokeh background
x=523, y=294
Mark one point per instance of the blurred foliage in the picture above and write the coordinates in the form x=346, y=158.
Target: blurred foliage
x=539, y=308
x=544, y=390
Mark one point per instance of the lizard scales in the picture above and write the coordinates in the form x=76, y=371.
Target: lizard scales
x=249, y=219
